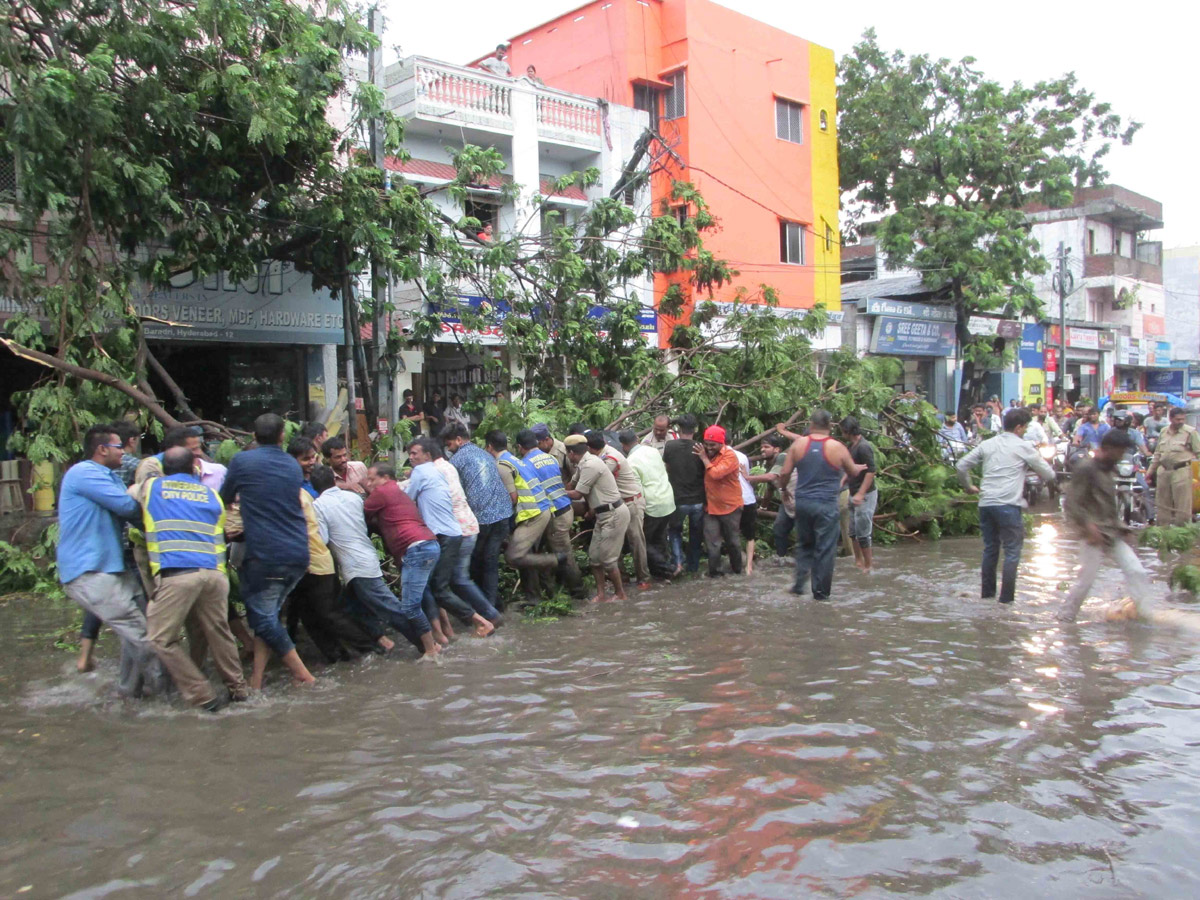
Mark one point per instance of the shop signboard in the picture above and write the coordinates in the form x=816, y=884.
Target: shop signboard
x=894, y=336
x=986, y=325
x=277, y=306
x=1033, y=346
x=901, y=309
x=1166, y=381
x=1193, y=378
x=1083, y=338
x=1052, y=359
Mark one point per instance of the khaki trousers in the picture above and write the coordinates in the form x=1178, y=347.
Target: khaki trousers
x=1174, y=496
x=636, y=535
x=558, y=538
x=844, y=512
x=520, y=553
x=203, y=595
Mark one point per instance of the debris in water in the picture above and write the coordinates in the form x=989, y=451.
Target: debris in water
x=627, y=822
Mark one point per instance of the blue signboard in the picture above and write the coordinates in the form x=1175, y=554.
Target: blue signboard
x=911, y=337
x=1165, y=381
x=1033, y=347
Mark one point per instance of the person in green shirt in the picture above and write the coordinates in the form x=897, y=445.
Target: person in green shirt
x=647, y=462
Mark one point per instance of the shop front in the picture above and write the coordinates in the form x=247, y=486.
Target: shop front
x=238, y=349
x=1145, y=364
x=922, y=337
x=1089, y=357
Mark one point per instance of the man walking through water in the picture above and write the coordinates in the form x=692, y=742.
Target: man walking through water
x=1089, y=507
x=1005, y=459
x=818, y=462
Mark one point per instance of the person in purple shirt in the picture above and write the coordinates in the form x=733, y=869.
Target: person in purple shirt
x=91, y=560
x=267, y=483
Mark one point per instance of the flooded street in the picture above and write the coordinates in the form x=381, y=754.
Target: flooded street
x=717, y=740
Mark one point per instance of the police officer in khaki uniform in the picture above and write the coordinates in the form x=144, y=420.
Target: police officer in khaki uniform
x=1178, y=445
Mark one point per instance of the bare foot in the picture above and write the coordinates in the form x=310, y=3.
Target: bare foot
x=444, y=620
x=430, y=657
x=304, y=682
x=600, y=598
x=386, y=643
x=483, y=627
x=620, y=595
x=644, y=586
x=678, y=571
x=438, y=636
x=82, y=666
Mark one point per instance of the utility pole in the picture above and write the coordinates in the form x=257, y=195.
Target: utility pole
x=1062, y=282
x=382, y=393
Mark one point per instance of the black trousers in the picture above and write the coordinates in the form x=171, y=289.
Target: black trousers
x=658, y=554
x=723, y=532
x=317, y=605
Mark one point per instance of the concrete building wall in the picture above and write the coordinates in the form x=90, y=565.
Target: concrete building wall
x=1181, y=289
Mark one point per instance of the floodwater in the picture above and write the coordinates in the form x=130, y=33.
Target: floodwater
x=724, y=740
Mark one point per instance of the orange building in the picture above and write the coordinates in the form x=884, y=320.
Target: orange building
x=750, y=110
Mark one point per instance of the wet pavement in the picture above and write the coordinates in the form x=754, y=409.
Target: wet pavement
x=723, y=740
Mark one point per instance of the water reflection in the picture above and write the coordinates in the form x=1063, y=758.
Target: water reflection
x=719, y=740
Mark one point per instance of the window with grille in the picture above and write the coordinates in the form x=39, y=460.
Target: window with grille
x=787, y=121
x=791, y=243
x=645, y=98
x=674, y=103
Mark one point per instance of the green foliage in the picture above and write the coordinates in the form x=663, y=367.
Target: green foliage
x=1186, y=578
x=549, y=610
x=1170, y=539
x=951, y=159
x=34, y=570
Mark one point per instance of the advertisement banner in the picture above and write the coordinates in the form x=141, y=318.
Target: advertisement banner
x=906, y=337
x=1033, y=347
x=1051, y=359
x=1033, y=384
x=1166, y=381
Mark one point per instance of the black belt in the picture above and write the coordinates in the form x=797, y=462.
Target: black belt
x=167, y=573
x=607, y=507
x=562, y=512
x=1181, y=465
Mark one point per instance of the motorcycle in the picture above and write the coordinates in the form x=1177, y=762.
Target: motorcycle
x=1131, y=503
x=1055, y=456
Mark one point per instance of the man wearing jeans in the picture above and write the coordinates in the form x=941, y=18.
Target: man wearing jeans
x=1005, y=459
x=488, y=499
x=686, y=474
x=341, y=518
x=91, y=561
x=1089, y=507
x=267, y=482
x=818, y=463
x=447, y=589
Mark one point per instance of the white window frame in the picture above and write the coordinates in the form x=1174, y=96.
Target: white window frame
x=789, y=120
x=674, y=102
x=787, y=245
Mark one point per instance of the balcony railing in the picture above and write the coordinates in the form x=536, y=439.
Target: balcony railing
x=565, y=117
x=421, y=87
x=1110, y=264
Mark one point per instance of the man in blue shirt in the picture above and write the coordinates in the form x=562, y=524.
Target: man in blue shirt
x=488, y=498
x=267, y=483
x=1091, y=430
x=91, y=561
x=428, y=489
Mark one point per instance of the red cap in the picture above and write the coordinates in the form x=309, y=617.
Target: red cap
x=715, y=433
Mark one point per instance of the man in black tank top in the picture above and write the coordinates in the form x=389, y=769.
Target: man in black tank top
x=814, y=467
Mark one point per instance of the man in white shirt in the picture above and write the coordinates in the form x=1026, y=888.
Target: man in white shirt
x=497, y=63
x=749, y=521
x=1006, y=459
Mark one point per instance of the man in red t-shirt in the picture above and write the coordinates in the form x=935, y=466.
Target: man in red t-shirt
x=395, y=516
x=723, y=500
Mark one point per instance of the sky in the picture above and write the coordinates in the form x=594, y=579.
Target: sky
x=1144, y=65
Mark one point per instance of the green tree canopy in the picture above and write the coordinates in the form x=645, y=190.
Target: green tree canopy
x=951, y=158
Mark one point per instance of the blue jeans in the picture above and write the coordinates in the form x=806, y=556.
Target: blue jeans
x=1001, y=525
x=818, y=528
x=416, y=567
x=782, y=530
x=464, y=587
x=694, y=514
x=265, y=586
x=485, y=559
x=438, y=591
x=374, y=596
